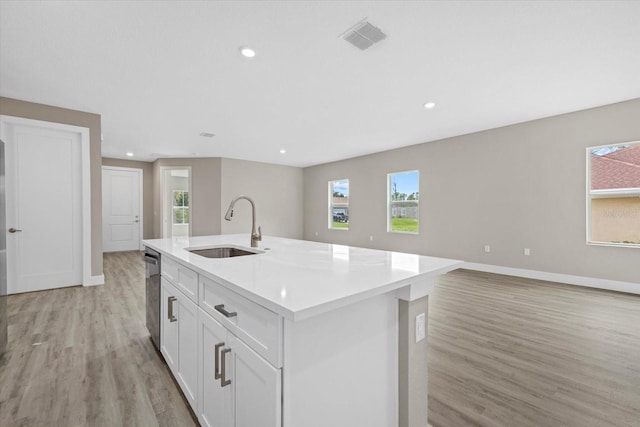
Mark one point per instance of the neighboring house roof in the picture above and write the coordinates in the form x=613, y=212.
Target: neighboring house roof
x=620, y=169
x=340, y=201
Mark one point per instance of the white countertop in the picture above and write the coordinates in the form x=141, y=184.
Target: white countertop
x=299, y=279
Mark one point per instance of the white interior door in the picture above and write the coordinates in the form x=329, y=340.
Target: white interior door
x=44, y=207
x=121, y=216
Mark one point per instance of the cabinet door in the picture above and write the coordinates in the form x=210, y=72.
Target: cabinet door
x=215, y=407
x=169, y=324
x=257, y=387
x=187, y=374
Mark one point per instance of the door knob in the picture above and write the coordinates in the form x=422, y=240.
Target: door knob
x=13, y=230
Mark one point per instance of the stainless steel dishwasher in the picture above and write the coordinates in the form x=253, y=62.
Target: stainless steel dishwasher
x=152, y=261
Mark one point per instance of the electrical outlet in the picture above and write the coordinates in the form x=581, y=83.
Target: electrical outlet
x=420, y=327
x=371, y=238
x=316, y=234
x=527, y=251
x=487, y=248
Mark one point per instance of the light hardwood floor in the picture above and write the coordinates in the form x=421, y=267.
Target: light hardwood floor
x=516, y=352
x=504, y=352
x=82, y=357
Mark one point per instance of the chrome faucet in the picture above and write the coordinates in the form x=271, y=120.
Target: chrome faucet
x=255, y=237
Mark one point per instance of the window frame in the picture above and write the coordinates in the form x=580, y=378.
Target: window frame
x=182, y=207
x=389, y=208
x=605, y=193
x=331, y=205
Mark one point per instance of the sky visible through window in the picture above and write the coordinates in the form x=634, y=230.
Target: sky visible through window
x=406, y=182
x=603, y=151
x=341, y=187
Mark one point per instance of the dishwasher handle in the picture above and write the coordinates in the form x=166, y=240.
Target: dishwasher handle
x=150, y=259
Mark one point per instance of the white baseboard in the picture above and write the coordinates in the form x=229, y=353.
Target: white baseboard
x=590, y=282
x=94, y=280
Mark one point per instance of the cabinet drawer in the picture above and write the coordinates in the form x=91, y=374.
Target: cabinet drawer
x=182, y=277
x=258, y=327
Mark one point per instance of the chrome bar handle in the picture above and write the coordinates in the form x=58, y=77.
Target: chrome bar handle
x=224, y=381
x=150, y=260
x=170, y=301
x=217, y=360
x=220, y=308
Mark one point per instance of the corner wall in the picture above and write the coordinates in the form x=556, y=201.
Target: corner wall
x=512, y=187
x=48, y=113
x=276, y=191
x=205, y=200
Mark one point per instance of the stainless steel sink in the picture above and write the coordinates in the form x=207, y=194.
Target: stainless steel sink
x=222, y=252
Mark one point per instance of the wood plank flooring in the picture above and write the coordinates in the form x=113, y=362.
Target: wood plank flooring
x=82, y=357
x=505, y=352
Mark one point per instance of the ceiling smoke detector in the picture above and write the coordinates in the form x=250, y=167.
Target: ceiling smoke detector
x=363, y=35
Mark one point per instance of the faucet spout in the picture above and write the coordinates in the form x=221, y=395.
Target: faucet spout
x=256, y=236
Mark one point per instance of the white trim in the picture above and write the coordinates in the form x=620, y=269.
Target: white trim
x=595, y=194
x=94, y=280
x=615, y=192
x=389, y=209
x=615, y=245
x=86, y=208
x=140, y=193
x=590, y=282
x=85, y=147
x=330, y=202
x=163, y=196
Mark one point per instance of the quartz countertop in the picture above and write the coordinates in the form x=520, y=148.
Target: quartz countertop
x=299, y=279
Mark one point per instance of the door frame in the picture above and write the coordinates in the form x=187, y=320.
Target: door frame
x=85, y=178
x=140, y=193
x=164, y=201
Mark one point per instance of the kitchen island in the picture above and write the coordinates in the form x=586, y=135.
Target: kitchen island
x=300, y=334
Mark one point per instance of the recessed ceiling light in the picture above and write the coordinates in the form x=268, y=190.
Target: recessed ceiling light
x=247, y=52
x=130, y=154
x=429, y=105
x=283, y=151
x=207, y=134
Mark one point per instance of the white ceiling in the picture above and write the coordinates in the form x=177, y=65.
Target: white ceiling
x=160, y=73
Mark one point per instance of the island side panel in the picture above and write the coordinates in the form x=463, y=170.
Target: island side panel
x=341, y=368
x=412, y=365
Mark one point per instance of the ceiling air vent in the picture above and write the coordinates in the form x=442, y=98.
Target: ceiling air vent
x=363, y=35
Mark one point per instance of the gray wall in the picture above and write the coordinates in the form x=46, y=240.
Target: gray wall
x=276, y=191
x=215, y=181
x=30, y=110
x=147, y=190
x=512, y=187
x=205, y=198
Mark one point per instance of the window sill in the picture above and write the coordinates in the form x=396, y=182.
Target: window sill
x=615, y=245
x=414, y=233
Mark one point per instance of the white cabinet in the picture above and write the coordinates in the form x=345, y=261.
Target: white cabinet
x=259, y=328
x=238, y=387
x=179, y=341
x=183, y=278
x=169, y=325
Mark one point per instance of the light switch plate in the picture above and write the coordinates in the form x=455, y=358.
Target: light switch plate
x=420, y=327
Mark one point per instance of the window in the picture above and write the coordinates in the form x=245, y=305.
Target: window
x=613, y=194
x=180, y=207
x=403, y=199
x=339, y=204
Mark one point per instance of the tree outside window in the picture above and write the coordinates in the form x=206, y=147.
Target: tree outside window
x=180, y=207
x=403, y=201
x=339, y=204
